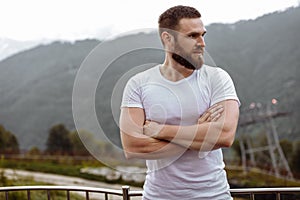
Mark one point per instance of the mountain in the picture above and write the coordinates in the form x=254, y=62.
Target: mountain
x=263, y=55
x=9, y=47
x=36, y=89
x=36, y=85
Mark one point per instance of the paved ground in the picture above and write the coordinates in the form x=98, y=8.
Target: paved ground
x=67, y=181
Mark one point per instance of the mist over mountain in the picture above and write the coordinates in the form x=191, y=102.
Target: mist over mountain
x=262, y=56
x=9, y=47
x=36, y=89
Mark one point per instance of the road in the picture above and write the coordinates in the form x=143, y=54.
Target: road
x=65, y=181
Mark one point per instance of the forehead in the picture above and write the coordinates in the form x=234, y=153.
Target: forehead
x=187, y=25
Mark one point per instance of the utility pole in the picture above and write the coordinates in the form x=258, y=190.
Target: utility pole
x=255, y=115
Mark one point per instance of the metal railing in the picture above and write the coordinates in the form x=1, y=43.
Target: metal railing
x=257, y=191
x=125, y=193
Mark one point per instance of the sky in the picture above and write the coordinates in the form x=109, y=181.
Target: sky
x=80, y=19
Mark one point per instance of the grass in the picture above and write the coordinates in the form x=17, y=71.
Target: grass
x=34, y=195
x=69, y=167
x=63, y=166
x=257, y=178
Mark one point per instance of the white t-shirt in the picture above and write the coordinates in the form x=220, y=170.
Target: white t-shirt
x=192, y=175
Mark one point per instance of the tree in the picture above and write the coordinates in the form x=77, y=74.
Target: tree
x=77, y=146
x=8, y=141
x=34, y=151
x=58, y=141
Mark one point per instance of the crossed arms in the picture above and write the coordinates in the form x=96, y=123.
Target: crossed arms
x=150, y=140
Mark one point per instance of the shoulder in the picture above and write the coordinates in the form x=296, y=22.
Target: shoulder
x=215, y=77
x=210, y=70
x=145, y=76
x=210, y=73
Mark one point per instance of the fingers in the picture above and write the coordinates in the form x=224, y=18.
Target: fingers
x=215, y=118
x=204, y=117
x=215, y=109
x=212, y=114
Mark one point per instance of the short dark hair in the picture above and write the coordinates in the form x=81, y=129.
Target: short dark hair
x=171, y=17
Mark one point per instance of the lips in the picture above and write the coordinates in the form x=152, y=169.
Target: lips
x=198, y=52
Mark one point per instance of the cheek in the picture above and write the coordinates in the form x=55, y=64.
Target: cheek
x=188, y=41
x=188, y=46
x=181, y=49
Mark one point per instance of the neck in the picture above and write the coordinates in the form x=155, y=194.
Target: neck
x=173, y=71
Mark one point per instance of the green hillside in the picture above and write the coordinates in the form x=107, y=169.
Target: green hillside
x=261, y=55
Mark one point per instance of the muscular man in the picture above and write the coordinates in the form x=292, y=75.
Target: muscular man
x=179, y=114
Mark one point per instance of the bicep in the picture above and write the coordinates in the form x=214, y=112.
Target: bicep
x=231, y=112
x=131, y=123
x=229, y=121
x=132, y=116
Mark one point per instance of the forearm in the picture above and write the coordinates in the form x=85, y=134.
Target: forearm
x=138, y=145
x=204, y=137
x=145, y=147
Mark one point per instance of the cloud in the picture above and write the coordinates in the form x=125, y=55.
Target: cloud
x=69, y=20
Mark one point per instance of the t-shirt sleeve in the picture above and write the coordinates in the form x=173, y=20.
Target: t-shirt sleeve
x=132, y=94
x=222, y=87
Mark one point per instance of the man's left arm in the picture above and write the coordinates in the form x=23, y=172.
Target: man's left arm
x=204, y=136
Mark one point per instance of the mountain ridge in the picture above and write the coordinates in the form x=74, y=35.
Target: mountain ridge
x=36, y=84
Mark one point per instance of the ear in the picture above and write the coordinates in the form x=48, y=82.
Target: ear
x=166, y=37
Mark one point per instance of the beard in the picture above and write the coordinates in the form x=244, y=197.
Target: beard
x=186, y=60
x=182, y=61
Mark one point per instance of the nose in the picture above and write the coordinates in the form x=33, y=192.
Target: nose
x=200, y=41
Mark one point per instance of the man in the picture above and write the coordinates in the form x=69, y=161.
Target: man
x=179, y=114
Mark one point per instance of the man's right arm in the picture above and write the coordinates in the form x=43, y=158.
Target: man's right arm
x=138, y=145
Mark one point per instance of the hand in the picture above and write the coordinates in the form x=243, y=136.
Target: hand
x=151, y=128
x=212, y=114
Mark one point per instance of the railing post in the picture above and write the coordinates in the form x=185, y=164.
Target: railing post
x=252, y=196
x=277, y=195
x=68, y=195
x=48, y=195
x=87, y=196
x=28, y=194
x=125, y=190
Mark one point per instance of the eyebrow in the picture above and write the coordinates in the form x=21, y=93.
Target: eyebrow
x=197, y=33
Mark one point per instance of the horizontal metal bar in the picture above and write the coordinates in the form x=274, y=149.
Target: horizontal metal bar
x=135, y=193
x=250, y=191
x=70, y=188
x=246, y=191
x=258, y=149
x=265, y=190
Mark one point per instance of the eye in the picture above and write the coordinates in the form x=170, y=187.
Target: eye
x=196, y=35
x=193, y=35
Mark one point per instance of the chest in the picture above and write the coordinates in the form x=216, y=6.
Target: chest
x=175, y=104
